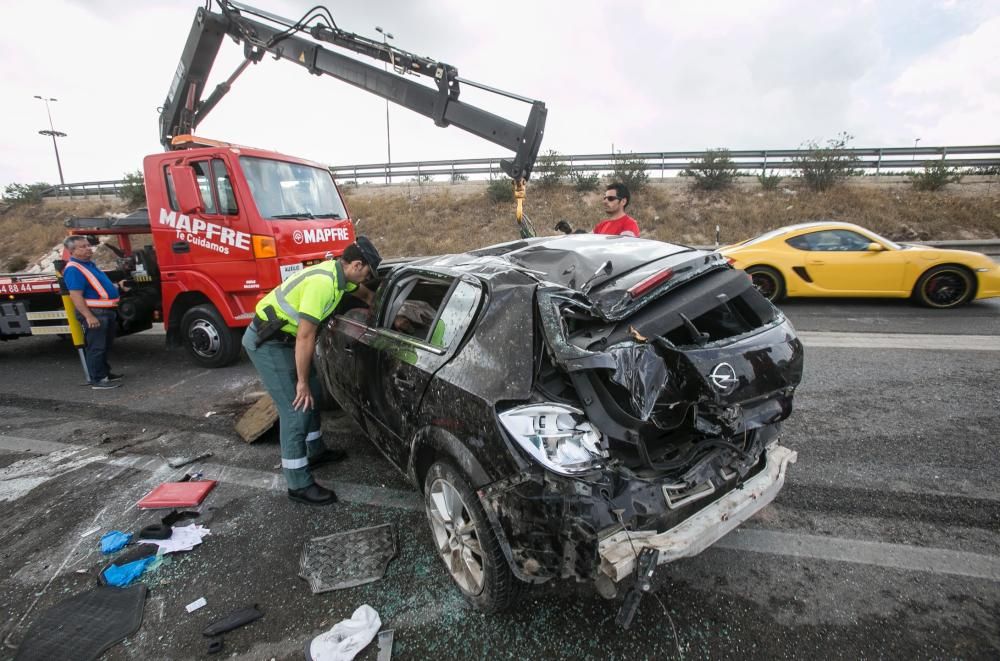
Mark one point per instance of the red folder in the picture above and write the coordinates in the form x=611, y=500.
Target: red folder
x=177, y=494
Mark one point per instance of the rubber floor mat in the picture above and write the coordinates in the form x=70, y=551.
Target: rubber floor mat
x=84, y=626
x=346, y=559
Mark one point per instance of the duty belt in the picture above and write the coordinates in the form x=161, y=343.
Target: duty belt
x=279, y=336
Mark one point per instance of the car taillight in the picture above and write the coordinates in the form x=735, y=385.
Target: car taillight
x=652, y=282
x=264, y=246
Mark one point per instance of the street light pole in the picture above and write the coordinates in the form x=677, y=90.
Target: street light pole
x=388, y=142
x=915, y=141
x=54, y=134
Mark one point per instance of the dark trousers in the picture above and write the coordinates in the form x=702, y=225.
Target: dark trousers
x=98, y=342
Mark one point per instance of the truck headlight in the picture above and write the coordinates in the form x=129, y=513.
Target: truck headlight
x=557, y=436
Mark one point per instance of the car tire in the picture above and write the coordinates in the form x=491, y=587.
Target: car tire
x=945, y=286
x=470, y=550
x=209, y=341
x=768, y=282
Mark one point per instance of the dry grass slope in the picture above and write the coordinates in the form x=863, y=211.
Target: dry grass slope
x=426, y=220
x=407, y=220
x=27, y=232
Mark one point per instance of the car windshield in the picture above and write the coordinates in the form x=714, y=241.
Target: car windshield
x=291, y=191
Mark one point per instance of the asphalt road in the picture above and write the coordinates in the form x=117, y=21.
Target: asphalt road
x=884, y=543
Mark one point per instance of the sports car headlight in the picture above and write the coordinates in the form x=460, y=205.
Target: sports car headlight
x=557, y=436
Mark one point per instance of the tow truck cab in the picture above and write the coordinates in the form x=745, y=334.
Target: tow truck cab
x=229, y=223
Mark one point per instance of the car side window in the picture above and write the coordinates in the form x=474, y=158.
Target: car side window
x=414, y=306
x=801, y=242
x=852, y=240
x=830, y=241
x=457, y=314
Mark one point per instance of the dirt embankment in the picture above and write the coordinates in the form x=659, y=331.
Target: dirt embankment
x=411, y=219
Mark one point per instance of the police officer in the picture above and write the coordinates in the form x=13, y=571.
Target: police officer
x=280, y=342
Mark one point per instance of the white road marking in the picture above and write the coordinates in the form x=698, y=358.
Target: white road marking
x=881, y=554
x=899, y=341
x=857, y=551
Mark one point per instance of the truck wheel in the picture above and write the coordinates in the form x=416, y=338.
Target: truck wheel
x=207, y=337
x=464, y=539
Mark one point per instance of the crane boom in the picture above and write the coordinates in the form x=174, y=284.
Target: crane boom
x=297, y=42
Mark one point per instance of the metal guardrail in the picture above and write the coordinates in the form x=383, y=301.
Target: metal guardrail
x=882, y=160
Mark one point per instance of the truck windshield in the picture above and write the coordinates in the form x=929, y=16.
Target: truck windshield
x=291, y=191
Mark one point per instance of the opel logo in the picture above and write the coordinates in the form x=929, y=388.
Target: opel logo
x=297, y=236
x=724, y=378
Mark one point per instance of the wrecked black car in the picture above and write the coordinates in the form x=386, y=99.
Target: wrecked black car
x=568, y=405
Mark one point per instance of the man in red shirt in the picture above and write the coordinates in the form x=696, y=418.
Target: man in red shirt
x=616, y=198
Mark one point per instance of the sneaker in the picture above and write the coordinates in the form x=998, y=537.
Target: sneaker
x=327, y=456
x=115, y=377
x=313, y=494
x=104, y=384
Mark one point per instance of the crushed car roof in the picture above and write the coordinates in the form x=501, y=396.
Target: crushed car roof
x=569, y=261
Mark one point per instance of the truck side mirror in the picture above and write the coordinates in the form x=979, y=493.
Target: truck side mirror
x=186, y=187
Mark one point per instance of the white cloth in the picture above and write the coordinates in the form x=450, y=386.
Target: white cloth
x=347, y=637
x=181, y=539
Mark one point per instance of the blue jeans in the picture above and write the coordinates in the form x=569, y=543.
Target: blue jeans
x=98, y=341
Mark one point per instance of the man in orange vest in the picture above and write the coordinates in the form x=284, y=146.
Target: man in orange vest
x=95, y=298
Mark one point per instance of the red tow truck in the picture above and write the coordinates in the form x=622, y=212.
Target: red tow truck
x=228, y=222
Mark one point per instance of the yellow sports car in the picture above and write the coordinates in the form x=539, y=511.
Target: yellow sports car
x=841, y=259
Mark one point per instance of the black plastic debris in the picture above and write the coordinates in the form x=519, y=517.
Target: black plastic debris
x=641, y=371
x=346, y=559
x=233, y=620
x=86, y=625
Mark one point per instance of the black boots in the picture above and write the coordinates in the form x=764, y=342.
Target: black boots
x=313, y=494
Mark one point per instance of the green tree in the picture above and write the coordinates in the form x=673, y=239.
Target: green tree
x=133, y=189
x=714, y=171
x=551, y=170
x=584, y=182
x=822, y=168
x=500, y=189
x=936, y=175
x=631, y=171
x=25, y=193
x=769, y=181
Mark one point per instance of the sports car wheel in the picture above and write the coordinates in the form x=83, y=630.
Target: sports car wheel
x=768, y=282
x=944, y=287
x=465, y=541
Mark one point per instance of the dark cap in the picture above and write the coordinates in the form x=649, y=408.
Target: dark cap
x=368, y=252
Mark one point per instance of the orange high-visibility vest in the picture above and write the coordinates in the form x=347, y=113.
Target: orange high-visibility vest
x=103, y=300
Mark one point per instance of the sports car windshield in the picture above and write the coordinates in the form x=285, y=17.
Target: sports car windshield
x=291, y=191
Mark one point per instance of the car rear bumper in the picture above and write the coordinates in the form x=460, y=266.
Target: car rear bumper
x=702, y=529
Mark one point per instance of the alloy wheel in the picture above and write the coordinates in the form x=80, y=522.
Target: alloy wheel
x=455, y=536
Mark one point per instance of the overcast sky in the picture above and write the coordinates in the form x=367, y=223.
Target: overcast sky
x=641, y=76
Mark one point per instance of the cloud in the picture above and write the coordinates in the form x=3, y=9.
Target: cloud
x=642, y=75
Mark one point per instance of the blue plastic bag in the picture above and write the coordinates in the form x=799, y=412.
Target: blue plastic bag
x=122, y=575
x=114, y=540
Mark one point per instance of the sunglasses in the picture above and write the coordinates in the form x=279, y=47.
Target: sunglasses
x=611, y=198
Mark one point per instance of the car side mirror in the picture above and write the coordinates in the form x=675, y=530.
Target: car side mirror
x=186, y=187
x=875, y=247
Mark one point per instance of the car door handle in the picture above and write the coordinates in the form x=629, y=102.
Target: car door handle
x=181, y=246
x=815, y=261
x=402, y=381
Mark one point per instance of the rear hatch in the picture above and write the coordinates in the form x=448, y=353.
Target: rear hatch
x=679, y=361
